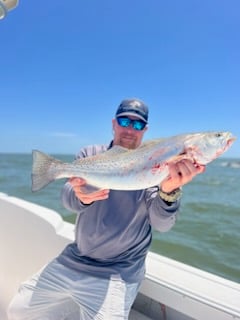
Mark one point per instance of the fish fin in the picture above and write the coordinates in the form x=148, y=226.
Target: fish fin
x=41, y=173
x=116, y=150
x=113, y=152
x=149, y=143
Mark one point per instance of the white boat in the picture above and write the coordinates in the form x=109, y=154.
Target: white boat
x=31, y=235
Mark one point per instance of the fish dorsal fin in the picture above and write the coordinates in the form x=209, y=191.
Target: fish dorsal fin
x=111, y=153
x=116, y=150
x=150, y=143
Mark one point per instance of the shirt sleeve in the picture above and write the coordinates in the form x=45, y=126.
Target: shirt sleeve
x=162, y=215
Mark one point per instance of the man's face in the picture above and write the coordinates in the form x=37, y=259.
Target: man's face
x=127, y=137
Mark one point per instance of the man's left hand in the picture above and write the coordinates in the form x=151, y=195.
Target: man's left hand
x=180, y=173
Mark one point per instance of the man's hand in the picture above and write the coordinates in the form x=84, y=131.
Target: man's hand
x=78, y=185
x=180, y=173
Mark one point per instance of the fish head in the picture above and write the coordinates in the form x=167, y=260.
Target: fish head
x=205, y=147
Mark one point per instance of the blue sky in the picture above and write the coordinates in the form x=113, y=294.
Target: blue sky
x=66, y=65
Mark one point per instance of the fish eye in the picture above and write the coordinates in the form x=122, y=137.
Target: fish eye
x=218, y=135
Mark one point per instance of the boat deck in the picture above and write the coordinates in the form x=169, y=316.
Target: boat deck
x=135, y=315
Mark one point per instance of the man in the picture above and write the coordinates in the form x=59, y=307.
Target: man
x=99, y=274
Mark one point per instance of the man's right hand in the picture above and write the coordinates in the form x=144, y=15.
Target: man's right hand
x=87, y=198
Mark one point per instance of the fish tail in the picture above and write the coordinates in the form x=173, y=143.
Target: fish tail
x=42, y=171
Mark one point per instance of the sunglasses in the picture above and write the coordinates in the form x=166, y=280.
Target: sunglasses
x=126, y=122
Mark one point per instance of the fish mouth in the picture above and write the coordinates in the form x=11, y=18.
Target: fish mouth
x=230, y=141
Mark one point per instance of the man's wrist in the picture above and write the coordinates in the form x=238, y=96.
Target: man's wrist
x=170, y=196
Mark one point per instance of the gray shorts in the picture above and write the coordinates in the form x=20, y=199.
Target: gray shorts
x=57, y=293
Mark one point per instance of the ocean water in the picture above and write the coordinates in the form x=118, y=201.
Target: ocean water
x=207, y=233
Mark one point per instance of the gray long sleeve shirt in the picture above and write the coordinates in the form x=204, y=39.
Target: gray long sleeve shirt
x=113, y=236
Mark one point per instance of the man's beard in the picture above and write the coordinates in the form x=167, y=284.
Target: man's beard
x=128, y=141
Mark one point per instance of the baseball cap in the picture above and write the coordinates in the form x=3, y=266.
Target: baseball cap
x=133, y=107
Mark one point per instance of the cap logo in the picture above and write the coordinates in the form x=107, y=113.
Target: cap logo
x=135, y=104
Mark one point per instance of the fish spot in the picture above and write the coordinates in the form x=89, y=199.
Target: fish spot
x=156, y=167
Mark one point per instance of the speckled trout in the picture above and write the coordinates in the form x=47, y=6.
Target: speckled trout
x=122, y=169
